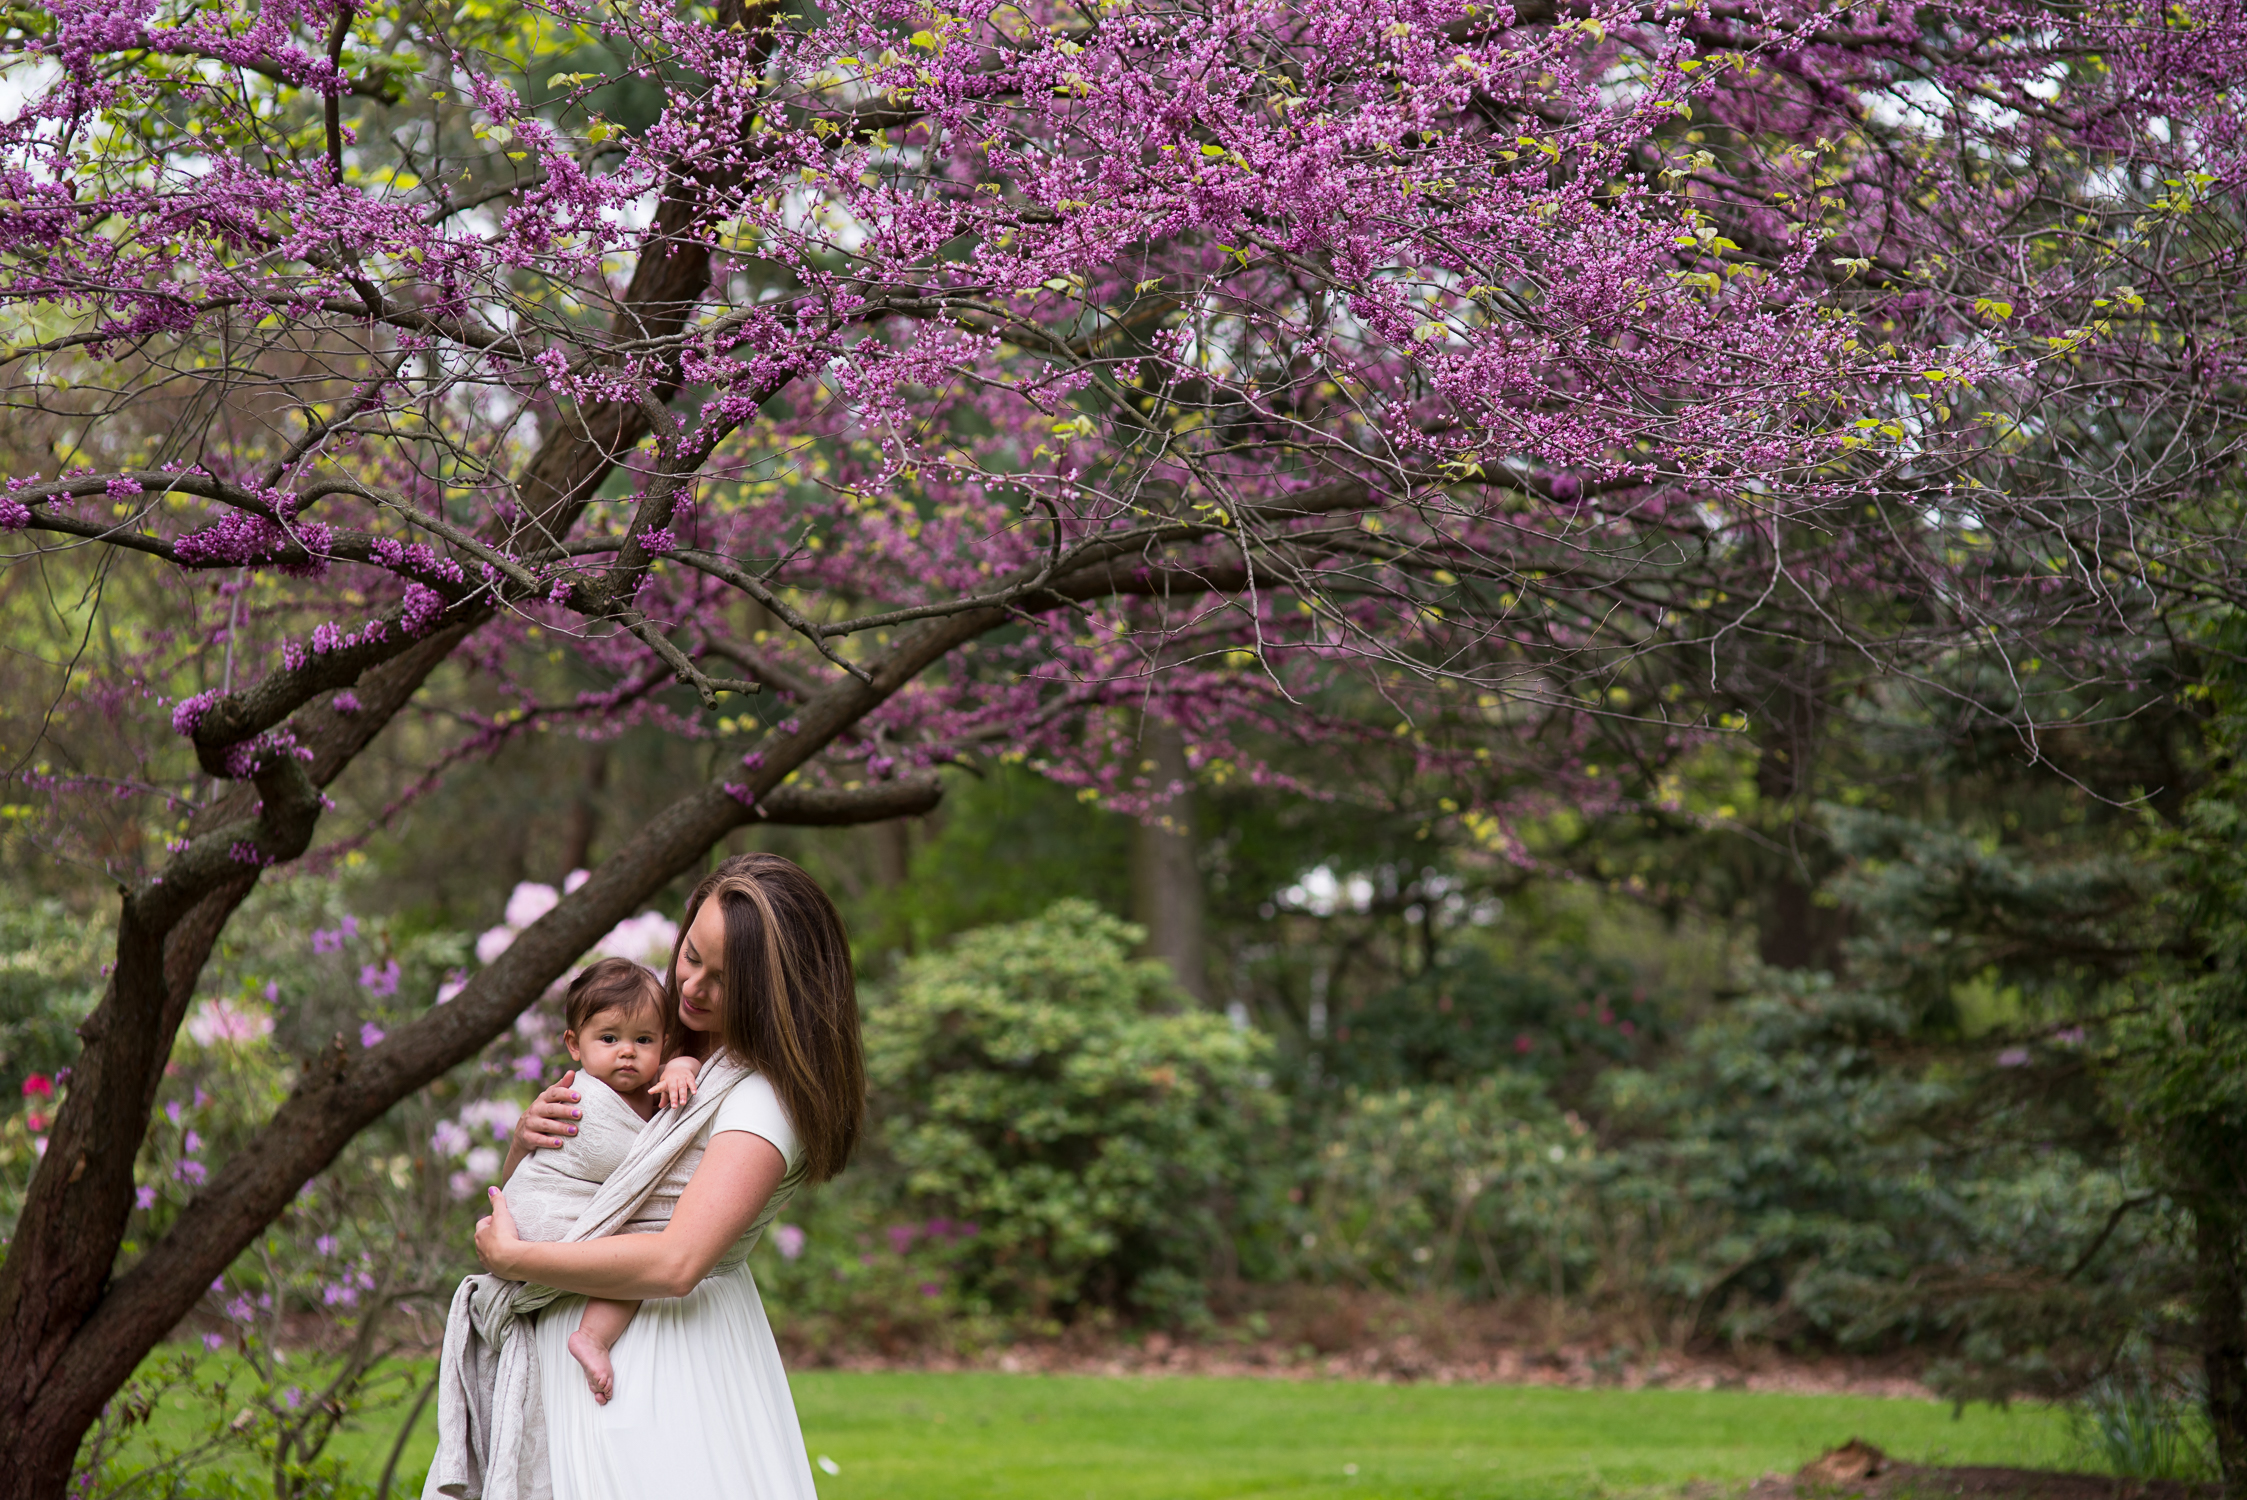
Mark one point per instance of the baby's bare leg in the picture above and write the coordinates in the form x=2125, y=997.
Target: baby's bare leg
x=597, y=1332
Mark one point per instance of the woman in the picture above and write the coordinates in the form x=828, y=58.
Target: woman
x=701, y=1409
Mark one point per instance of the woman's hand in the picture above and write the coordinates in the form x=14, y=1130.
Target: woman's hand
x=496, y=1239
x=545, y=1126
x=551, y=1119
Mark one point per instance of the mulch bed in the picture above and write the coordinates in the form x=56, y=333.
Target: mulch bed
x=1332, y=1333
x=1859, y=1471
x=1396, y=1358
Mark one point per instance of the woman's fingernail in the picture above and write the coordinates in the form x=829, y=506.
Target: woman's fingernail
x=577, y=1114
x=573, y=1130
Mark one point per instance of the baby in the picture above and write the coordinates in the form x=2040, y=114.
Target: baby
x=613, y=1027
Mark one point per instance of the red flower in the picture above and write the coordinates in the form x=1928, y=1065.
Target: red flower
x=38, y=1086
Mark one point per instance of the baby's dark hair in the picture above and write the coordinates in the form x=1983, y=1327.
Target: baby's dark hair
x=611, y=984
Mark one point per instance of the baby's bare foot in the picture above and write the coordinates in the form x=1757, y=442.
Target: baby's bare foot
x=600, y=1377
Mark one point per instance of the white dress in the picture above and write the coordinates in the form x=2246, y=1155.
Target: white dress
x=701, y=1409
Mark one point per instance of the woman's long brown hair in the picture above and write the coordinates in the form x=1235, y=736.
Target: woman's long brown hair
x=791, y=1000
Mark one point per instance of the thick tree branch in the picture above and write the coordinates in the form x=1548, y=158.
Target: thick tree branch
x=841, y=807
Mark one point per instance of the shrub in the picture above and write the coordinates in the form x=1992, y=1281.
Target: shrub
x=1480, y=1187
x=1471, y=1015
x=1822, y=1176
x=1036, y=1081
x=2140, y=1427
x=847, y=1271
x=385, y=1226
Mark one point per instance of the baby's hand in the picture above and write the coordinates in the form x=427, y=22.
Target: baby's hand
x=677, y=1083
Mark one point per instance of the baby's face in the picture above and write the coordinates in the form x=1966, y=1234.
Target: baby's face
x=623, y=1050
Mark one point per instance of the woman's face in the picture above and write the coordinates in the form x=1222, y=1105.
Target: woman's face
x=702, y=969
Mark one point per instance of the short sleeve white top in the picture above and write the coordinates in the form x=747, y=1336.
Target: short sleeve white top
x=754, y=1106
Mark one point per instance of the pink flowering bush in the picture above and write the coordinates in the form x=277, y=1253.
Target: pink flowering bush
x=854, y=1272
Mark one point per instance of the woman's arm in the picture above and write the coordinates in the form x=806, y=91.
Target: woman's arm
x=727, y=1192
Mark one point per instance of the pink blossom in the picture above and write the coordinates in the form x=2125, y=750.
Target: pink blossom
x=332, y=939
x=529, y=902
x=226, y=1023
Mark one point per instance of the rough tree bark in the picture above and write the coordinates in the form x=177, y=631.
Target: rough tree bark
x=75, y=1212
x=69, y=1336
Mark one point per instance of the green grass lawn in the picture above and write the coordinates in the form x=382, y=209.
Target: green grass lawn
x=1026, y=1437
x=1002, y=1437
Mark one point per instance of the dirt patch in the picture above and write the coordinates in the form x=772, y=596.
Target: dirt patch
x=1859, y=1471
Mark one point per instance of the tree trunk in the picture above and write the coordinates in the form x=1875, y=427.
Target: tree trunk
x=68, y=1335
x=1166, y=877
x=585, y=814
x=1792, y=930
x=2220, y=1290
x=893, y=851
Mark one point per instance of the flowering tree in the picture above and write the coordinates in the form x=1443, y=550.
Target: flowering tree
x=856, y=387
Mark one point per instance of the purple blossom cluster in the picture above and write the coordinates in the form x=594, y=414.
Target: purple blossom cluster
x=189, y=712
x=245, y=758
x=240, y=538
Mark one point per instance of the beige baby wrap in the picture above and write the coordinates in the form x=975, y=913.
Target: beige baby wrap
x=491, y=1430
x=551, y=1190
